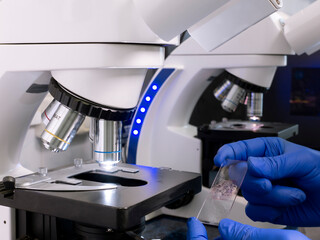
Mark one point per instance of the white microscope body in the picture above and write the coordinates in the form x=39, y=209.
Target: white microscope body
x=96, y=50
x=85, y=44
x=161, y=135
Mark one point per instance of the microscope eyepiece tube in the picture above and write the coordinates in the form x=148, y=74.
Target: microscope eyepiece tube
x=235, y=96
x=255, y=104
x=107, y=141
x=61, y=129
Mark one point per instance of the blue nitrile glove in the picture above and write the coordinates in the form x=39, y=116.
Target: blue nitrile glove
x=196, y=230
x=282, y=184
x=231, y=230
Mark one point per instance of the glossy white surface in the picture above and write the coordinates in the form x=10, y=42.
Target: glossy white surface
x=7, y=223
x=302, y=29
x=115, y=88
x=230, y=20
x=169, y=18
x=73, y=21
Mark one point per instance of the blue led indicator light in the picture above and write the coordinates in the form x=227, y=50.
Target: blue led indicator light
x=142, y=109
x=138, y=121
x=154, y=87
x=148, y=99
x=135, y=132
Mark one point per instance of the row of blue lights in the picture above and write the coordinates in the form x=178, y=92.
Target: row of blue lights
x=142, y=110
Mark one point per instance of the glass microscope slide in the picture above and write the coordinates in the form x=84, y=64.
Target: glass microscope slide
x=223, y=192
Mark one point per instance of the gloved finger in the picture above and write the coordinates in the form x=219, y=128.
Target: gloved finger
x=241, y=150
x=231, y=230
x=229, y=151
x=196, y=230
x=292, y=165
x=279, y=196
x=256, y=185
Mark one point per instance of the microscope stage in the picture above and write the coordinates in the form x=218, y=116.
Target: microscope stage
x=134, y=194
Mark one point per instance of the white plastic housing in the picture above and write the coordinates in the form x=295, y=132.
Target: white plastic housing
x=265, y=37
x=230, y=20
x=169, y=18
x=33, y=57
x=61, y=21
x=7, y=223
x=116, y=88
x=261, y=76
x=302, y=29
x=19, y=108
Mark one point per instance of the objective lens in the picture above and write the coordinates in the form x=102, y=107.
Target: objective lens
x=234, y=97
x=222, y=91
x=61, y=129
x=255, y=104
x=107, y=141
x=49, y=111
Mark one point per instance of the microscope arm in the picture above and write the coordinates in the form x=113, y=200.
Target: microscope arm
x=302, y=29
x=210, y=23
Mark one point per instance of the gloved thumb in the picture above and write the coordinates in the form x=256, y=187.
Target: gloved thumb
x=196, y=230
x=231, y=230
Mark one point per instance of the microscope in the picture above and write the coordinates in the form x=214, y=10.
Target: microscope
x=92, y=57
x=162, y=136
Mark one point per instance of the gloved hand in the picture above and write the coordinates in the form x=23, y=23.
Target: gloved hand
x=282, y=182
x=196, y=230
x=231, y=230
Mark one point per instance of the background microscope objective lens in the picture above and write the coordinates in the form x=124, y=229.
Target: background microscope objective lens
x=222, y=91
x=235, y=96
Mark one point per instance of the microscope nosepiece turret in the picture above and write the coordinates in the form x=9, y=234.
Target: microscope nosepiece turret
x=65, y=114
x=234, y=90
